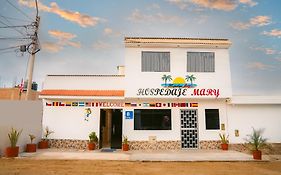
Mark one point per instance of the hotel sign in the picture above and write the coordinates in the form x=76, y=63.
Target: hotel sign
x=180, y=87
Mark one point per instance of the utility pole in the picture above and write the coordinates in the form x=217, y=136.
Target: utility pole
x=34, y=49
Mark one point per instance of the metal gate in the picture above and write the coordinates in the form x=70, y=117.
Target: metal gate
x=189, y=128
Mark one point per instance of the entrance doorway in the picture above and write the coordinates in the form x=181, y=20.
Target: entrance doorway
x=189, y=128
x=110, y=128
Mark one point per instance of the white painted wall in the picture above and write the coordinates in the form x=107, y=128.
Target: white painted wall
x=135, y=79
x=174, y=134
x=244, y=117
x=84, y=82
x=143, y=135
x=68, y=122
x=25, y=115
x=211, y=104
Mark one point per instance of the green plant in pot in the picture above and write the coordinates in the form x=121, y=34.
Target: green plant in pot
x=224, y=141
x=31, y=147
x=44, y=144
x=93, y=140
x=13, y=150
x=125, y=144
x=256, y=142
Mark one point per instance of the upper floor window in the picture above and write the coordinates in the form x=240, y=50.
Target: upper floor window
x=200, y=62
x=155, y=61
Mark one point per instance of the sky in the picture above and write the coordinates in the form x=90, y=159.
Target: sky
x=86, y=37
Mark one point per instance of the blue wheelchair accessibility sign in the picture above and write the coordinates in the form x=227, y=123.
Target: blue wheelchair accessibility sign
x=129, y=114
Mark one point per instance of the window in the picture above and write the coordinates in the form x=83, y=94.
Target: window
x=212, y=119
x=155, y=61
x=151, y=119
x=200, y=62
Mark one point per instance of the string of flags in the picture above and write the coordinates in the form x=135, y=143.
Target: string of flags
x=119, y=104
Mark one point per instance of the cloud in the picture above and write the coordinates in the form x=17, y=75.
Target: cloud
x=138, y=16
x=76, y=17
x=240, y=25
x=260, y=21
x=225, y=5
x=274, y=32
x=109, y=32
x=259, y=66
x=52, y=47
x=257, y=21
x=64, y=39
x=251, y=3
x=182, y=4
x=61, y=35
x=153, y=6
x=278, y=59
x=100, y=45
x=267, y=51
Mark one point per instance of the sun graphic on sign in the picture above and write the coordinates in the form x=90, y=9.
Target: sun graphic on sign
x=178, y=80
x=186, y=82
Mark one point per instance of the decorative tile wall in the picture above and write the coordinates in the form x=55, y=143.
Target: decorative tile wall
x=158, y=145
x=210, y=144
x=272, y=148
x=68, y=143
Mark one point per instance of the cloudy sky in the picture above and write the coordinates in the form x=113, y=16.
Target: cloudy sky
x=86, y=37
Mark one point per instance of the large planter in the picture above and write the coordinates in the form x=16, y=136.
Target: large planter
x=257, y=155
x=91, y=146
x=12, y=151
x=43, y=144
x=224, y=146
x=125, y=147
x=31, y=148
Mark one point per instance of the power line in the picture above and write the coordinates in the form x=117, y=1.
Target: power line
x=24, y=26
x=12, y=28
x=12, y=18
x=19, y=10
x=13, y=38
x=9, y=48
x=9, y=51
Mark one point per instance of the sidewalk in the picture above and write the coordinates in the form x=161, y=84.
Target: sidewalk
x=178, y=155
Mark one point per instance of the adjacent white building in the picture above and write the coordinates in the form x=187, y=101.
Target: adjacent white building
x=172, y=93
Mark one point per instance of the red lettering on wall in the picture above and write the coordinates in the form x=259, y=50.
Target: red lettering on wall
x=206, y=92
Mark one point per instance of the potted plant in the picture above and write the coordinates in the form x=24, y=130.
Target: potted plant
x=224, y=141
x=13, y=150
x=44, y=144
x=256, y=142
x=93, y=139
x=31, y=147
x=125, y=145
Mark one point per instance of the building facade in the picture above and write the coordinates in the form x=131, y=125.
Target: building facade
x=172, y=93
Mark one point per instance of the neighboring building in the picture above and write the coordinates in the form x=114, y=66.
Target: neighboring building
x=16, y=94
x=173, y=93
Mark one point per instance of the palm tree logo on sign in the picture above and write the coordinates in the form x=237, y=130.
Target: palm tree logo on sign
x=186, y=82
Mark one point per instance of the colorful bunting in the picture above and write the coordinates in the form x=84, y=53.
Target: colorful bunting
x=74, y=103
x=193, y=104
x=158, y=104
x=127, y=104
x=103, y=104
x=81, y=104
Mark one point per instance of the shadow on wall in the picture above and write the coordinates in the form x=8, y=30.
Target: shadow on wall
x=25, y=115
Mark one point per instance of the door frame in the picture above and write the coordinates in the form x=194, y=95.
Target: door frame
x=103, y=118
